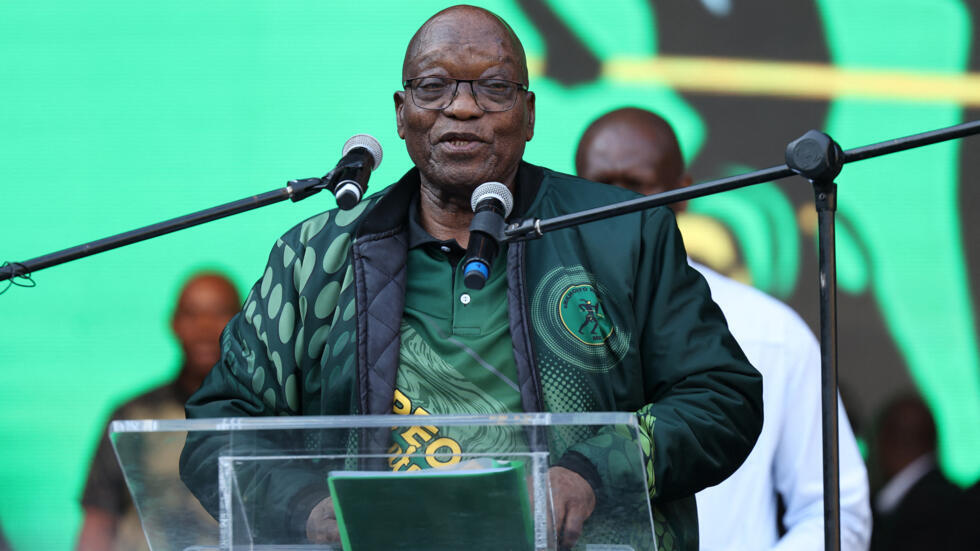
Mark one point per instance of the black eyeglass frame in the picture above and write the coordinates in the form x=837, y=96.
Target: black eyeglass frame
x=521, y=87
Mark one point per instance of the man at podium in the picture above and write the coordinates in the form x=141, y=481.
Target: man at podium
x=365, y=312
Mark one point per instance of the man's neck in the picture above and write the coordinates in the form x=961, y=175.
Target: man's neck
x=443, y=217
x=447, y=217
x=187, y=382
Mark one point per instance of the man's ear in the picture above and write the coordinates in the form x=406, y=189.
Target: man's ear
x=530, y=116
x=399, y=117
x=175, y=327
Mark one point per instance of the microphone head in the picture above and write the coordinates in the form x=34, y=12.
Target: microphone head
x=494, y=190
x=365, y=141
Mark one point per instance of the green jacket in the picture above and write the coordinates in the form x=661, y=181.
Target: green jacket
x=319, y=335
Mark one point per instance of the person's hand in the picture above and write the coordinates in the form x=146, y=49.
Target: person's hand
x=321, y=525
x=573, y=500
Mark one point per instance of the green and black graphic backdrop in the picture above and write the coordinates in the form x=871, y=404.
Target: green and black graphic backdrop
x=114, y=115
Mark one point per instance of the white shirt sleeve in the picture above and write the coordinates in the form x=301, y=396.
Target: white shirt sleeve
x=797, y=467
x=740, y=513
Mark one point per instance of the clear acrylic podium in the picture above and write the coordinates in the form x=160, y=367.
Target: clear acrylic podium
x=250, y=483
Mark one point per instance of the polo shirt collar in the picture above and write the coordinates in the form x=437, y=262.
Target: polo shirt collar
x=417, y=236
x=390, y=212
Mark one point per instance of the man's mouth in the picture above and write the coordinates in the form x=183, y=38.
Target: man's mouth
x=458, y=139
x=459, y=143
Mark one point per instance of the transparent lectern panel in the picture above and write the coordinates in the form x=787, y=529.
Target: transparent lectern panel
x=171, y=516
x=378, y=482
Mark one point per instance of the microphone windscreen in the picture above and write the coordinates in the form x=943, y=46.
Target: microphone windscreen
x=367, y=142
x=493, y=190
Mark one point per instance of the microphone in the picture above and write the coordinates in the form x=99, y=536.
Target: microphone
x=492, y=203
x=349, y=179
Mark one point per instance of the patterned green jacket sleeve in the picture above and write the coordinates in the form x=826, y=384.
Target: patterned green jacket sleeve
x=264, y=354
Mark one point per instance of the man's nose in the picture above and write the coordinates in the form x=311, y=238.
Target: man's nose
x=463, y=104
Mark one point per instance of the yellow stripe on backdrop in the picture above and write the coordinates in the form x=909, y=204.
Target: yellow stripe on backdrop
x=787, y=79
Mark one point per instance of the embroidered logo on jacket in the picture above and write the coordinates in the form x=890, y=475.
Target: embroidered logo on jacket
x=582, y=315
x=572, y=319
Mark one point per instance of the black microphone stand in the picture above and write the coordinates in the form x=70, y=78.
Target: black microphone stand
x=296, y=190
x=819, y=159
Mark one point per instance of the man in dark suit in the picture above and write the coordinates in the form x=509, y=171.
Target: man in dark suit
x=916, y=507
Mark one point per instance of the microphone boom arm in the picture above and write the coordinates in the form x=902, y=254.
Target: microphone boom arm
x=536, y=227
x=296, y=190
x=361, y=154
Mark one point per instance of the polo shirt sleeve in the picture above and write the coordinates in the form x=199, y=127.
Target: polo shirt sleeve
x=704, y=399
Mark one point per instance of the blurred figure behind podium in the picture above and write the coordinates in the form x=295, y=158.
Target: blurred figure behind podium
x=205, y=305
x=915, y=505
x=4, y=546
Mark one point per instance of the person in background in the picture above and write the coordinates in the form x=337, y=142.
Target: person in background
x=205, y=305
x=637, y=150
x=4, y=545
x=916, y=506
x=970, y=512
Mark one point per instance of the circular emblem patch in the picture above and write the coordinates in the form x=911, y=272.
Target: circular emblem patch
x=568, y=314
x=582, y=315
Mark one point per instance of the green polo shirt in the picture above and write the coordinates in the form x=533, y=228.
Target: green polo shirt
x=456, y=354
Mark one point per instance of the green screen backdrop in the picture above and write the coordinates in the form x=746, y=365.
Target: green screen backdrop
x=115, y=115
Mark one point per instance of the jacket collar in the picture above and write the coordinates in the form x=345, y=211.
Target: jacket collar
x=390, y=213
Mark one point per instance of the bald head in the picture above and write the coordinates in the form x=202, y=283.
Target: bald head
x=207, y=302
x=634, y=149
x=459, y=25
x=461, y=145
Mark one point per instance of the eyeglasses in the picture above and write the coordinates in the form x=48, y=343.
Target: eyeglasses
x=490, y=94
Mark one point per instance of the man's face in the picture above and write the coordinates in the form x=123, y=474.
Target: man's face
x=204, y=308
x=461, y=146
x=619, y=156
